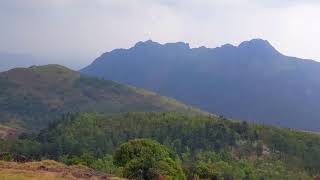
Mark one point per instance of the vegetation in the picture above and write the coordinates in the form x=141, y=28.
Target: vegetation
x=205, y=146
x=30, y=98
x=147, y=159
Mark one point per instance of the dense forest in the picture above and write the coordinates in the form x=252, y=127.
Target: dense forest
x=203, y=146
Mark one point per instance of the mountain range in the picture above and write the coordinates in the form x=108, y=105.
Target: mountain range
x=84, y=120
x=252, y=81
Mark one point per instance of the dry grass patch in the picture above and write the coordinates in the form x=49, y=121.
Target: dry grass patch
x=49, y=170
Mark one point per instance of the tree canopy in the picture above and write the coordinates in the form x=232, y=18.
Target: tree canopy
x=147, y=159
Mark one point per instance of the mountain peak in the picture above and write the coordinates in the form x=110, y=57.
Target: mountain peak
x=50, y=66
x=146, y=43
x=227, y=46
x=258, y=45
x=255, y=42
x=179, y=45
x=52, y=72
x=175, y=45
x=53, y=69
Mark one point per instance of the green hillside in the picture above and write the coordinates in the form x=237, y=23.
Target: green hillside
x=32, y=97
x=205, y=146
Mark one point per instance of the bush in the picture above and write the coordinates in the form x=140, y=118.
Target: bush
x=147, y=159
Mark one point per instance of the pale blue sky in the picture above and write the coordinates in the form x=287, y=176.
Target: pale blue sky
x=77, y=31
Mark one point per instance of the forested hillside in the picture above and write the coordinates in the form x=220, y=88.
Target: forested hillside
x=252, y=81
x=204, y=146
x=33, y=97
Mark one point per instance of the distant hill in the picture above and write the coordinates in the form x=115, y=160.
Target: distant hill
x=33, y=97
x=252, y=81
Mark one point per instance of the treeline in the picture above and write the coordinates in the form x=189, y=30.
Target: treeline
x=205, y=146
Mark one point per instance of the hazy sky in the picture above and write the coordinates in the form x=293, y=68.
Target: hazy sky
x=77, y=31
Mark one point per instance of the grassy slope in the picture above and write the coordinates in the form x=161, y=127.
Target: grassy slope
x=31, y=97
x=49, y=170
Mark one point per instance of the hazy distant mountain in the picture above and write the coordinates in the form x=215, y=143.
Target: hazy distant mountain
x=32, y=97
x=252, y=81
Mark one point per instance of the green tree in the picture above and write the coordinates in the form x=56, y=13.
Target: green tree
x=147, y=159
x=106, y=164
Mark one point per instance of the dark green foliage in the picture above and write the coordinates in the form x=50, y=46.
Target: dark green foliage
x=146, y=159
x=208, y=147
x=105, y=164
x=88, y=132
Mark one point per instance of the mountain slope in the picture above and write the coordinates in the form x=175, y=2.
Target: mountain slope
x=252, y=81
x=32, y=97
